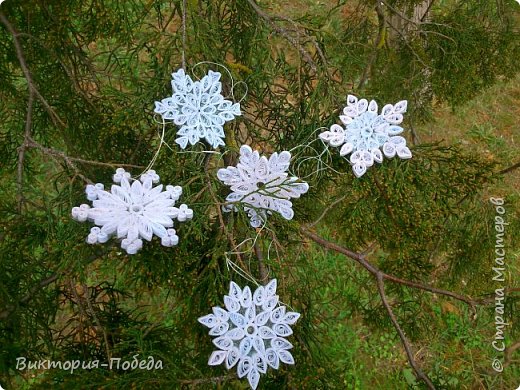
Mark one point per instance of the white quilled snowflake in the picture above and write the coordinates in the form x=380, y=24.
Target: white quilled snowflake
x=261, y=185
x=366, y=132
x=133, y=212
x=251, y=331
x=199, y=108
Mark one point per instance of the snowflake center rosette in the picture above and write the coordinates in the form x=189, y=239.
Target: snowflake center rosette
x=133, y=212
x=198, y=108
x=250, y=332
x=261, y=185
x=366, y=132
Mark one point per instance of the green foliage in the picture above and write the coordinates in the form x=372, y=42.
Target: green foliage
x=101, y=64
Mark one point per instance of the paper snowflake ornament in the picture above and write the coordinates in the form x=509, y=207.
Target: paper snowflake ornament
x=261, y=185
x=199, y=108
x=366, y=131
x=133, y=212
x=250, y=332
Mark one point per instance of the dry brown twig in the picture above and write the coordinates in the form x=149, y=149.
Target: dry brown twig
x=96, y=320
x=377, y=45
x=58, y=153
x=284, y=33
x=262, y=271
x=27, y=74
x=27, y=138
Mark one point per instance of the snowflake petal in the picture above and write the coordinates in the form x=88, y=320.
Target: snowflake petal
x=223, y=342
x=403, y=152
x=232, y=358
x=280, y=343
x=244, y=366
x=253, y=378
x=217, y=357
x=219, y=330
x=291, y=317
x=285, y=356
x=359, y=169
x=209, y=320
x=272, y=358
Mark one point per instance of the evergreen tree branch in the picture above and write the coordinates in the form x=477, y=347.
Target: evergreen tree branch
x=40, y=285
x=402, y=336
x=378, y=43
x=58, y=153
x=215, y=380
x=27, y=297
x=284, y=33
x=509, y=169
x=25, y=69
x=96, y=319
x=380, y=278
x=23, y=148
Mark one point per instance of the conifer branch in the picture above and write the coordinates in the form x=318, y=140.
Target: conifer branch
x=509, y=169
x=58, y=153
x=33, y=291
x=380, y=277
x=25, y=69
x=378, y=44
x=402, y=336
x=284, y=33
x=96, y=320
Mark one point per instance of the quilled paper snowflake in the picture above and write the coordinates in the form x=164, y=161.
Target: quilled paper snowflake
x=366, y=132
x=250, y=332
x=199, y=108
x=261, y=185
x=133, y=212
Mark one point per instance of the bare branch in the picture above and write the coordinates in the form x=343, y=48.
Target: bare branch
x=25, y=69
x=326, y=210
x=509, y=169
x=23, y=147
x=283, y=32
x=508, y=353
x=261, y=266
x=184, y=11
x=228, y=234
x=402, y=336
x=377, y=45
x=96, y=320
x=40, y=285
x=53, y=152
x=380, y=278
x=215, y=380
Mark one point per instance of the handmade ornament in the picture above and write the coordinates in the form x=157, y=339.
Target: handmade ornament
x=261, y=185
x=250, y=332
x=366, y=131
x=133, y=212
x=198, y=108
